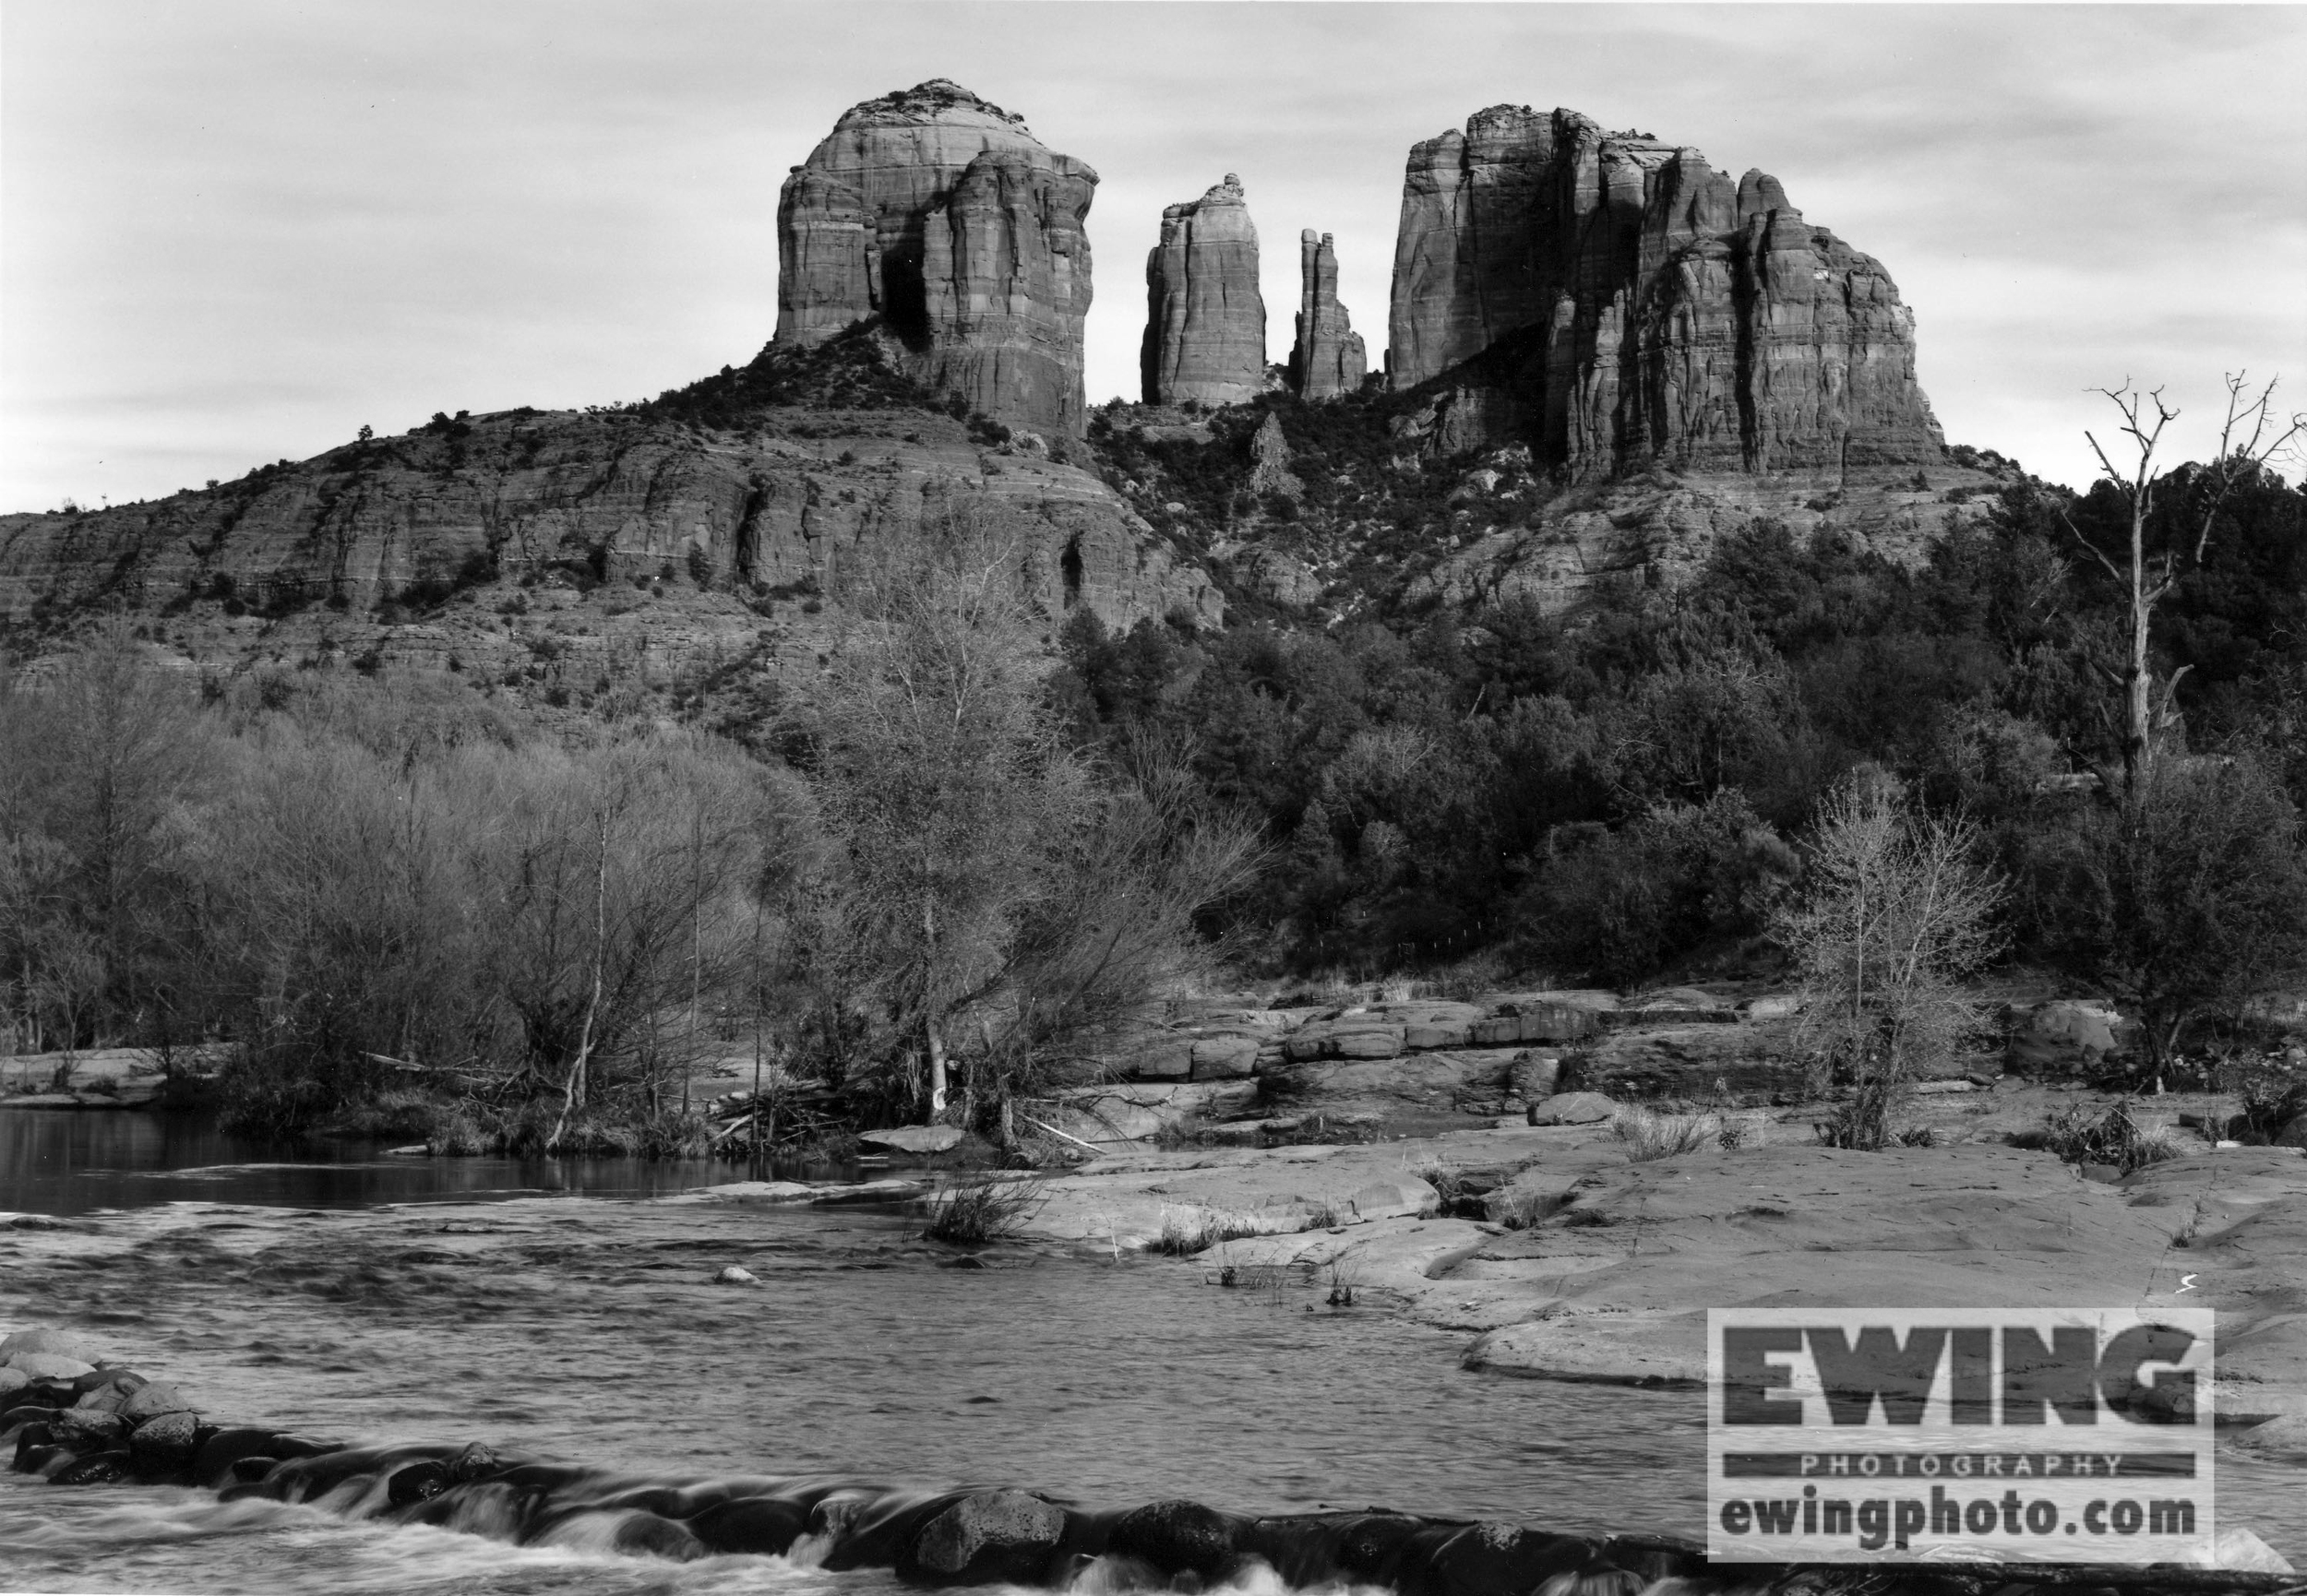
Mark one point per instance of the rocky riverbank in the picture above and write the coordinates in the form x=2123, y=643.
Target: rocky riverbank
x=73, y=1423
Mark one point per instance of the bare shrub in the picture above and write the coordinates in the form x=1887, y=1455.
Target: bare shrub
x=1892, y=916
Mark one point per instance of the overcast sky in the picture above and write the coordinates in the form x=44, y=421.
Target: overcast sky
x=235, y=231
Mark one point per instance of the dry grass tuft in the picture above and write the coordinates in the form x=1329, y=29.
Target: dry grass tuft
x=1650, y=1136
x=971, y=1211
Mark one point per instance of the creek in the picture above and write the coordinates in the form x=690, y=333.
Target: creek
x=588, y=1329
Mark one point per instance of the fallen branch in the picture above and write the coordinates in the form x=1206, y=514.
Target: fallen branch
x=1062, y=1136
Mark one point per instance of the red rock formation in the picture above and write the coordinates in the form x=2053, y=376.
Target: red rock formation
x=944, y=217
x=1328, y=359
x=1624, y=302
x=1205, y=321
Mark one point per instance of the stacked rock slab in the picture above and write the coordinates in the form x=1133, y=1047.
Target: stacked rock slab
x=1205, y=320
x=1623, y=301
x=1328, y=359
x=943, y=217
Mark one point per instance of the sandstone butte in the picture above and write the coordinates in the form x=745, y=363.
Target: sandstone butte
x=942, y=217
x=1205, y=321
x=1624, y=302
x=1328, y=359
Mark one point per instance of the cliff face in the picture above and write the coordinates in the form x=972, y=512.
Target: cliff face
x=944, y=217
x=1205, y=320
x=576, y=550
x=1625, y=303
x=1328, y=358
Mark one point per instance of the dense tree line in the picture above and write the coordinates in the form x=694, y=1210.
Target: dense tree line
x=941, y=874
x=1624, y=792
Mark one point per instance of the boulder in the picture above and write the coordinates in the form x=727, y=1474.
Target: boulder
x=165, y=1444
x=1205, y=321
x=63, y=1343
x=915, y=1139
x=2061, y=1037
x=1572, y=1108
x=1176, y=1537
x=87, y=1430
x=941, y=215
x=49, y=1366
x=760, y=1527
x=153, y=1400
x=1225, y=1057
x=1164, y=1058
x=1405, y=1197
x=1602, y=283
x=1531, y=1075
x=996, y=1535
x=735, y=1275
x=93, y=1467
x=1328, y=359
x=109, y=1389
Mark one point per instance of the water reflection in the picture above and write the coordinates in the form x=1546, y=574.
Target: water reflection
x=76, y=1160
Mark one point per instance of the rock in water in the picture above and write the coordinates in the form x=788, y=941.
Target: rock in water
x=915, y=1139
x=736, y=1275
x=1005, y=1535
x=1626, y=302
x=1328, y=359
x=153, y=1399
x=59, y=1343
x=941, y=215
x=165, y=1444
x=1205, y=321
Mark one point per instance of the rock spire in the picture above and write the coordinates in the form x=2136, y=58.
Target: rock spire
x=1328, y=359
x=1624, y=301
x=1205, y=321
x=941, y=215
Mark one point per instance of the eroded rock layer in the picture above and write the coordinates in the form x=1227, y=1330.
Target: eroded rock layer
x=557, y=550
x=1624, y=301
x=1328, y=359
x=941, y=215
x=1205, y=321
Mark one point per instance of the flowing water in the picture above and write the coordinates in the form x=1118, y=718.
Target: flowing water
x=588, y=1329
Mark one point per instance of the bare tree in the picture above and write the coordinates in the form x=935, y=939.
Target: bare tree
x=2251, y=436
x=941, y=776
x=1892, y=915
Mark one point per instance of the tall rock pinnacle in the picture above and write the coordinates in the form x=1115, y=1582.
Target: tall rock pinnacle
x=1630, y=302
x=940, y=214
x=1205, y=321
x=1328, y=359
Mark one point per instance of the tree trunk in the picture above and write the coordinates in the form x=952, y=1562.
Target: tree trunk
x=936, y=1040
x=2137, y=750
x=573, y=1093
